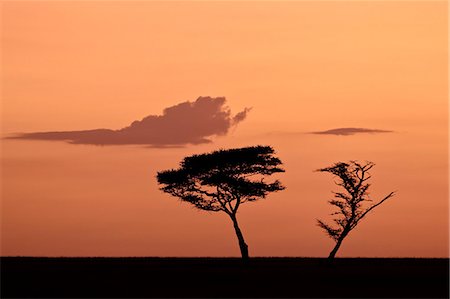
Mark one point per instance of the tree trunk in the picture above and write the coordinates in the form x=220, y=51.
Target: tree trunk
x=338, y=244
x=335, y=249
x=242, y=245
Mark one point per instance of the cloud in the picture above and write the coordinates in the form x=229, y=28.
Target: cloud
x=350, y=131
x=185, y=123
x=240, y=116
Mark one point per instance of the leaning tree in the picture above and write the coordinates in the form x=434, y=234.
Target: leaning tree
x=223, y=180
x=352, y=202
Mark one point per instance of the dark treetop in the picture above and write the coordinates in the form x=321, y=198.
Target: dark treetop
x=223, y=179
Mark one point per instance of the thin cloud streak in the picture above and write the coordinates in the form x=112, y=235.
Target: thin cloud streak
x=350, y=131
x=182, y=124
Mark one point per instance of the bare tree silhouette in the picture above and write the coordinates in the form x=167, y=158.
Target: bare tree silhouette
x=223, y=180
x=352, y=176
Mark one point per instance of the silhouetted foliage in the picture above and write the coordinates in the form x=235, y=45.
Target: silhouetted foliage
x=352, y=177
x=223, y=180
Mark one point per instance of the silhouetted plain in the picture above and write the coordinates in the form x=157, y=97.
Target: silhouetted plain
x=223, y=278
x=185, y=123
x=223, y=180
x=352, y=177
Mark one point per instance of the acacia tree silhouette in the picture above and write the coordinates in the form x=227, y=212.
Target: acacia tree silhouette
x=223, y=180
x=352, y=176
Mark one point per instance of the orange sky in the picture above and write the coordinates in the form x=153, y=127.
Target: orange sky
x=302, y=66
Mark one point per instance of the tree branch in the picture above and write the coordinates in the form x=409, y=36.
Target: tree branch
x=222, y=203
x=374, y=206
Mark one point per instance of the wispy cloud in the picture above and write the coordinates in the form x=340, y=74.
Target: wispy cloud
x=185, y=123
x=351, y=131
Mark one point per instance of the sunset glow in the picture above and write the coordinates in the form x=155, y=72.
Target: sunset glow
x=319, y=81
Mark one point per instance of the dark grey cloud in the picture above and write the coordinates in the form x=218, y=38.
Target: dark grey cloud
x=350, y=131
x=185, y=123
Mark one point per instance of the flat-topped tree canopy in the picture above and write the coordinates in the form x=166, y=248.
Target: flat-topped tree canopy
x=223, y=179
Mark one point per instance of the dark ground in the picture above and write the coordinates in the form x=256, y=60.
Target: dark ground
x=224, y=277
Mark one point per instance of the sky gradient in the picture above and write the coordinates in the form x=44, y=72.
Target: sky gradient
x=301, y=67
